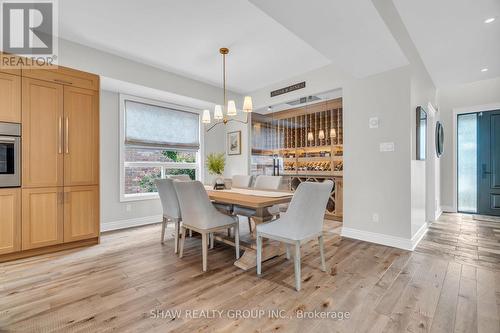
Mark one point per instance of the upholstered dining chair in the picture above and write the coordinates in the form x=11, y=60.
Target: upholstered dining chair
x=200, y=215
x=302, y=222
x=262, y=182
x=171, y=209
x=184, y=178
x=241, y=181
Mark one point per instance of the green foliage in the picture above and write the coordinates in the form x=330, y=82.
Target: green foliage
x=147, y=182
x=180, y=157
x=216, y=163
x=172, y=155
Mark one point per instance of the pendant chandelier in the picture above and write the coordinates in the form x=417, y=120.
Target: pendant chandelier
x=221, y=117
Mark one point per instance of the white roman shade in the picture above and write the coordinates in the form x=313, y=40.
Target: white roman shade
x=156, y=126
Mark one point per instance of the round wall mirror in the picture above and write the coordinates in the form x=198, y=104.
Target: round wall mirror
x=439, y=139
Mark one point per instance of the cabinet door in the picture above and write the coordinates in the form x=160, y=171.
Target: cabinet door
x=10, y=220
x=42, y=217
x=81, y=136
x=10, y=64
x=42, y=146
x=10, y=98
x=81, y=213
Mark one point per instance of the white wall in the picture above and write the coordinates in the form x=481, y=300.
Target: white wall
x=238, y=164
x=460, y=96
x=376, y=182
x=114, y=213
x=102, y=63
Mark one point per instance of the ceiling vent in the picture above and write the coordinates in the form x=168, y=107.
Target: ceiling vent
x=304, y=100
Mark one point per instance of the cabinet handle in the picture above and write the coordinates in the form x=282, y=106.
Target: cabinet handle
x=66, y=144
x=60, y=136
x=62, y=81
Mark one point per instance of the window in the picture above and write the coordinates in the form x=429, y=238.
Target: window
x=467, y=162
x=157, y=140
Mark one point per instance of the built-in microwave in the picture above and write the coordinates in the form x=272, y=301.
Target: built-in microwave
x=10, y=155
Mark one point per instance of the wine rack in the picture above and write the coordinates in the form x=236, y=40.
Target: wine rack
x=309, y=140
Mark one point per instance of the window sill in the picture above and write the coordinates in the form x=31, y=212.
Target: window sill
x=139, y=197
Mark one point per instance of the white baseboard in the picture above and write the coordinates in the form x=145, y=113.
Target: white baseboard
x=419, y=235
x=448, y=209
x=373, y=237
x=437, y=214
x=129, y=223
x=387, y=240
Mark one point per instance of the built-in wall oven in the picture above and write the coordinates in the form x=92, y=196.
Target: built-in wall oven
x=10, y=155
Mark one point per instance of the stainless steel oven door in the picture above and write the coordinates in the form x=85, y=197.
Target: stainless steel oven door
x=10, y=161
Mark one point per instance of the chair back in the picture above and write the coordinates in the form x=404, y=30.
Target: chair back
x=168, y=198
x=196, y=208
x=183, y=178
x=241, y=181
x=306, y=213
x=267, y=182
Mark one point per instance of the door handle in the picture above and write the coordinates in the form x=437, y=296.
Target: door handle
x=66, y=132
x=60, y=136
x=484, y=172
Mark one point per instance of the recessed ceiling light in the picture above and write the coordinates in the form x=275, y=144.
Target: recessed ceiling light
x=490, y=20
x=484, y=70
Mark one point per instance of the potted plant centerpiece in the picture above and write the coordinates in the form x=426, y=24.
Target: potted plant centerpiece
x=215, y=165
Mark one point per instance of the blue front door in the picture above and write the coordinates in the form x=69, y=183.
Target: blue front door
x=488, y=163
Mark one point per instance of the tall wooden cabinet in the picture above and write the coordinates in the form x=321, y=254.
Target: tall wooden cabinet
x=10, y=98
x=42, y=134
x=81, y=137
x=42, y=217
x=10, y=220
x=58, y=203
x=81, y=212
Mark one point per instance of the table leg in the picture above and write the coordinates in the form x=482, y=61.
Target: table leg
x=270, y=249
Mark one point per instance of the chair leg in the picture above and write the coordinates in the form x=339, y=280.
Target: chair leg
x=190, y=233
x=212, y=236
x=259, y=254
x=249, y=224
x=297, y=266
x=287, y=251
x=183, y=238
x=204, y=250
x=322, y=253
x=176, y=235
x=163, y=227
x=237, y=239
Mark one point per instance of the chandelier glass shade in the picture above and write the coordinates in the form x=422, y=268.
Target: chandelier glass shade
x=229, y=106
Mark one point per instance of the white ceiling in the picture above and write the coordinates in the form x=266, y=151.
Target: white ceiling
x=270, y=41
x=452, y=38
x=184, y=37
x=350, y=33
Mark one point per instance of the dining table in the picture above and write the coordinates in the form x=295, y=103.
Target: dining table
x=259, y=201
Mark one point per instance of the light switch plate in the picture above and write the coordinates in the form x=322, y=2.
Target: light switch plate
x=386, y=146
x=373, y=122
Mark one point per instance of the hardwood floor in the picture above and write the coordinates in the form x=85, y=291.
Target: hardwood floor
x=451, y=283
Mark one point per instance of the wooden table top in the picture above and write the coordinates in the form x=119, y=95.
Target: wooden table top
x=247, y=200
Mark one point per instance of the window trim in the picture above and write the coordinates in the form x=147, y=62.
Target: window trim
x=199, y=165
